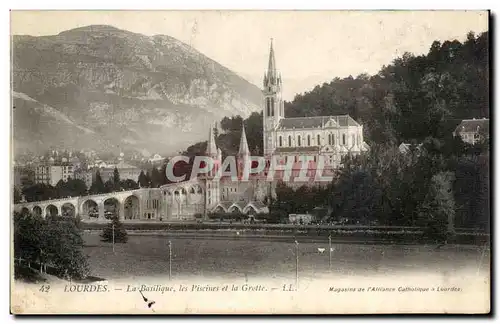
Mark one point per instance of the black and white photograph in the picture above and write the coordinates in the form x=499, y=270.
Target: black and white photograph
x=250, y=162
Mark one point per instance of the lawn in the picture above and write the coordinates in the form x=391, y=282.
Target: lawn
x=148, y=256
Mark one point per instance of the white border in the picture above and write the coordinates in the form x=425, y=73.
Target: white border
x=185, y=4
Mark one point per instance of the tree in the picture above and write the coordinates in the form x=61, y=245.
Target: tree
x=155, y=178
x=116, y=180
x=148, y=179
x=109, y=186
x=129, y=184
x=97, y=186
x=120, y=234
x=62, y=189
x=163, y=174
x=16, y=195
x=64, y=248
x=253, y=129
x=437, y=212
x=28, y=236
x=76, y=187
x=143, y=180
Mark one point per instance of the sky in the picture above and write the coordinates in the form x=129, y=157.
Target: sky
x=311, y=47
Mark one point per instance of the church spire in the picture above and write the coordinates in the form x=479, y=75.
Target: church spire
x=271, y=68
x=211, y=147
x=243, y=143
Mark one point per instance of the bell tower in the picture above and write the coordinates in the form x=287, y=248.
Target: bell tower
x=274, y=109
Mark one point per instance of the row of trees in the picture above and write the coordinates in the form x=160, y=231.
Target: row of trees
x=54, y=242
x=42, y=191
x=76, y=187
x=150, y=179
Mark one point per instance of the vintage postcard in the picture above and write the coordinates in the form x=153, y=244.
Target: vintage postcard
x=250, y=162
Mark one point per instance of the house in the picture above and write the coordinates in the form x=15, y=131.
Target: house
x=156, y=159
x=51, y=173
x=473, y=130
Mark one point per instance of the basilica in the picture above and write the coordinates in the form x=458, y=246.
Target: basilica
x=285, y=139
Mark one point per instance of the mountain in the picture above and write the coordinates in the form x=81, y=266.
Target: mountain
x=108, y=89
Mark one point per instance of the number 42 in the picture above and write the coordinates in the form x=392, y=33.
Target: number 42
x=44, y=288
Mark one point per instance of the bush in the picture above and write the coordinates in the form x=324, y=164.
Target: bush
x=120, y=234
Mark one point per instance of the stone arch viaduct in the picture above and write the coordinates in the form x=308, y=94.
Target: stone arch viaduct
x=132, y=204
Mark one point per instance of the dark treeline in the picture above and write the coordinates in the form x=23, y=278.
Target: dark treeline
x=75, y=187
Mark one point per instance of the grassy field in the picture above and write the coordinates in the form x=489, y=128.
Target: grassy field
x=148, y=256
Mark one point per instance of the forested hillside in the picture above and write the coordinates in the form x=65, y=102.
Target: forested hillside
x=414, y=97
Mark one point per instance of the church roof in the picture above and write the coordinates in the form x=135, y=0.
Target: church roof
x=240, y=204
x=297, y=149
x=225, y=204
x=316, y=122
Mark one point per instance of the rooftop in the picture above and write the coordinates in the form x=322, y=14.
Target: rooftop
x=316, y=122
x=297, y=149
x=473, y=125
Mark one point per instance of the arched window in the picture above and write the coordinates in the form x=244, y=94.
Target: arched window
x=268, y=106
x=298, y=141
x=343, y=139
x=333, y=139
x=353, y=139
x=308, y=140
x=358, y=139
x=281, y=141
x=289, y=141
x=329, y=139
x=319, y=140
x=272, y=106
